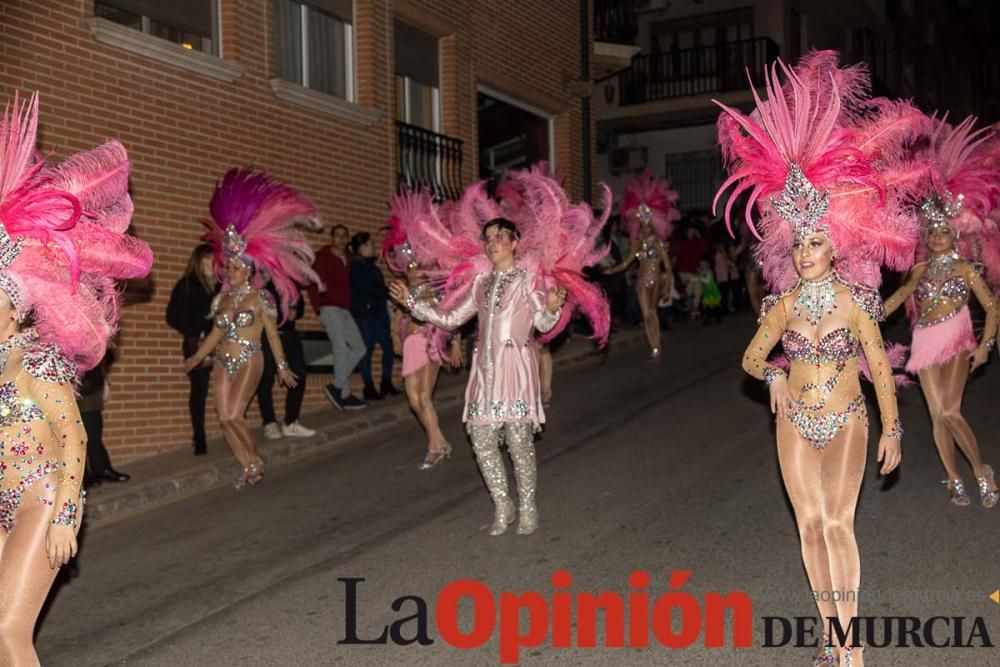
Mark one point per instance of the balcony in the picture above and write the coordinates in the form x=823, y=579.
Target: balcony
x=429, y=160
x=692, y=72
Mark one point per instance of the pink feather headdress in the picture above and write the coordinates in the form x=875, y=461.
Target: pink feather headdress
x=813, y=158
x=257, y=220
x=649, y=201
x=62, y=239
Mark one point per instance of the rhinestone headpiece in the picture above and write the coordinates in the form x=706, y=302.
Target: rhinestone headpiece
x=939, y=209
x=406, y=250
x=9, y=248
x=234, y=245
x=644, y=213
x=801, y=204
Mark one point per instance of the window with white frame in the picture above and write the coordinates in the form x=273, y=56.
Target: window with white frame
x=314, y=45
x=193, y=24
x=418, y=91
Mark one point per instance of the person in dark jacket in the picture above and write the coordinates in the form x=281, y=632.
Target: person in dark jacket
x=187, y=312
x=291, y=343
x=94, y=392
x=369, y=307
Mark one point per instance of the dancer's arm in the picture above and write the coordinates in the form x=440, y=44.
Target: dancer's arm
x=269, y=314
x=885, y=389
x=50, y=383
x=905, y=290
x=772, y=325
x=982, y=291
x=425, y=312
x=548, y=307
x=626, y=261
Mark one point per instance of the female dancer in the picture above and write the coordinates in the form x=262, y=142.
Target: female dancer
x=62, y=246
x=253, y=234
x=188, y=313
x=648, y=211
x=944, y=351
x=424, y=346
x=826, y=228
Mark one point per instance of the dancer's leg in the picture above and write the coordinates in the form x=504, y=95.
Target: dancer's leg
x=25, y=575
x=953, y=375
x=486, y=446
x=932, y=384
x=520, y=444
x=648, y=302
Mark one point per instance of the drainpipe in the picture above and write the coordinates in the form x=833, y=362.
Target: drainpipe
x=585, y=101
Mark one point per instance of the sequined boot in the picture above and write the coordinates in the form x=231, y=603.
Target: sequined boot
x=959, y=496
x=986, y=494
x=520, y=444
x=486, y=447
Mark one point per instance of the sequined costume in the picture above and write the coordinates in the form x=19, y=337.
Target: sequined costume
x=503, y=398
x=42, y=441
x=422, y=343
x=820, y=163
x=64, y=243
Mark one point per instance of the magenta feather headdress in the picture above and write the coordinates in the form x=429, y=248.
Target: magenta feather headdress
x=808, y=171
x=63, y=240
x=649, y=201
x=258, y=220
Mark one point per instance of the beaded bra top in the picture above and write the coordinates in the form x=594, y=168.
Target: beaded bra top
x=941, y=292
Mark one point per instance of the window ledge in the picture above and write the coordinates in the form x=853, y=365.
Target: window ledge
x=139, y=43
x=312, y=99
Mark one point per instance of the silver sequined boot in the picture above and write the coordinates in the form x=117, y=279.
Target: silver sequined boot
x=486, y=446
x=520, y=444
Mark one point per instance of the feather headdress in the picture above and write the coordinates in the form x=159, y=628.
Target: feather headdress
x=649, y=201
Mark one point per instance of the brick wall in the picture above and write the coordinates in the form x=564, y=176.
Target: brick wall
x=184, y=130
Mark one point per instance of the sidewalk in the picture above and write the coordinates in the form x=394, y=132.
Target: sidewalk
x=165, y=478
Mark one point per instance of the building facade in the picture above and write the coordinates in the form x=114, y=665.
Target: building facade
x=343, y=99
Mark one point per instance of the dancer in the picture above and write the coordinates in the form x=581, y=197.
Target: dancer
x=944, y=349
x=63, y=244
x=502, y=400
x=188, y=313
x=424, y=347
x=829, y=217
x=254, y=236
x=649, y=210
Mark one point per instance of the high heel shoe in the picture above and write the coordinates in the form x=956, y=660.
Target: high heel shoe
x=956, y=488
x=255, y=473
x=986, y=494
x=852, y=656
x=826, y=656
x=435, y=456
x=654, y=356
x=503, y=516
x=242, y=479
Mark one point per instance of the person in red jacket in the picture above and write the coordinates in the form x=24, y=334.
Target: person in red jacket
x=333, y=266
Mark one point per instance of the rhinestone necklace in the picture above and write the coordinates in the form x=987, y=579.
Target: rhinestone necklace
x=941, y=265
x=816, y=298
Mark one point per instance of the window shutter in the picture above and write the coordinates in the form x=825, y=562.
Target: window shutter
x=194, y=16
x=416, y=54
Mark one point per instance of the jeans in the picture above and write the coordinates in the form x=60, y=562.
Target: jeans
x=295, y=356
x=375, y=331
x=348, y=346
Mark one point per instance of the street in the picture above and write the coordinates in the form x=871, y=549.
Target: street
x=642, y=467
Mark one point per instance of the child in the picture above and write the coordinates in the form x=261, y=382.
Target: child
x=711, y=297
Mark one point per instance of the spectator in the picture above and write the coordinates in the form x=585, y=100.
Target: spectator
x=369, y=307
x=94, y=393
x=333, y=307
x=295, y=356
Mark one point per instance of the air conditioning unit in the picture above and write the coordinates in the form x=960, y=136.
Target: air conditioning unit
x=628, y=159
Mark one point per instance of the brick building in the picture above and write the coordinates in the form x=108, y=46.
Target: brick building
x=340, y=98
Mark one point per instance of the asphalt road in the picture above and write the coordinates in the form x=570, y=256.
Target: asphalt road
x=652, y=468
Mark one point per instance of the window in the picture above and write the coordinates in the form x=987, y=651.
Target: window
x=193, y=24
x=418, y=93
x=696, y=176
x=314, y=45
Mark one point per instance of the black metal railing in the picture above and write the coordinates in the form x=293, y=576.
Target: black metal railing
x=428, y=159
x=615, y=21
x=699, y=71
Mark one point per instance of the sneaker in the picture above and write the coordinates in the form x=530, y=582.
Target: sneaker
x=371, y=395
x=388, y=389
x=272, y=432
x=352, y=403
x=297, y=430
x=333, y=395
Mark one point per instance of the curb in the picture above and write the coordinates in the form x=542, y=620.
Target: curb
x=210, y=475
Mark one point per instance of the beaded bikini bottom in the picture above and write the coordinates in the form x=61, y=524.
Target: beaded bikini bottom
x=820, y=429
